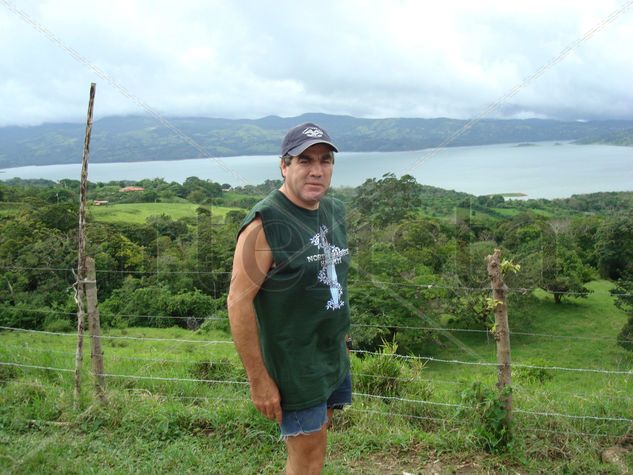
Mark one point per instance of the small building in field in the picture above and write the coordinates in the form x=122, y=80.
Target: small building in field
x=132, y=188
x=100, y=202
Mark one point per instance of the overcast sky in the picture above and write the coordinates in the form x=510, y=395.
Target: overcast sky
x=249, y=59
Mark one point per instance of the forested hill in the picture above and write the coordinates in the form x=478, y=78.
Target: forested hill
x=617, y=137
x=136, y=138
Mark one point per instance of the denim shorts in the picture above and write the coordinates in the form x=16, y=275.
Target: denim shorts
x=307, y=421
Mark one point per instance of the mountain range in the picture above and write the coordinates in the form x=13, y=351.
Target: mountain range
x=141, y=138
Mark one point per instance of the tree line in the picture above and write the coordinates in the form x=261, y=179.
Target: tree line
x=418, y=255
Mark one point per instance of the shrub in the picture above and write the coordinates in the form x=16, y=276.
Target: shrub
x=156, y=306
x=625, y=337
x=218, y=321
x=22, y=316
x=222, y=370
x=486, y=416
x=58, y=326
x=380, y=374
x=532, y=375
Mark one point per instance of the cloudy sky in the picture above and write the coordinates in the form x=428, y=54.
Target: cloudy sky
x=382, y=58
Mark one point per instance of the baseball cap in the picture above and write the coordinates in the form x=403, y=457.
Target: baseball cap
x=303, y=136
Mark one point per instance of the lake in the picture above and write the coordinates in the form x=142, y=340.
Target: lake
x=541, y=170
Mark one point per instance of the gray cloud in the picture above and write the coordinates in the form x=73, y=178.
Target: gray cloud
x=373, y=59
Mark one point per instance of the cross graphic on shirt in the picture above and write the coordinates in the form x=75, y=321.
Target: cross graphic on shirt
x=331, y=256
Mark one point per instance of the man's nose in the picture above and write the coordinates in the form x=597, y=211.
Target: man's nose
x=316, y=168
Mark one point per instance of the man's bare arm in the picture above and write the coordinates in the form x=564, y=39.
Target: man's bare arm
x=252, y=260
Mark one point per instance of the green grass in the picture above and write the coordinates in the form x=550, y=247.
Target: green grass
x=592, y=325
x=164, y=426
x=139, y=212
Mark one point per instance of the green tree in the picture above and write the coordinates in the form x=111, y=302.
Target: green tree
x=388, y=200
x=614, y=246
x=623, y=292
x=564, y=274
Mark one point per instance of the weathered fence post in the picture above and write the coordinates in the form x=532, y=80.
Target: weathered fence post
x=502, y=330
x=81, y=266
x=96, y=354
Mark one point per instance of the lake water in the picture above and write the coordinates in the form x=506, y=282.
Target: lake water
x=544, y=170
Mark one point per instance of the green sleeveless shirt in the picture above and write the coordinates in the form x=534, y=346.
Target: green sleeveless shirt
x=302, y=306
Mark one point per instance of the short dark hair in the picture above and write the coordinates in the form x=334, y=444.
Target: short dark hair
x=288, y=159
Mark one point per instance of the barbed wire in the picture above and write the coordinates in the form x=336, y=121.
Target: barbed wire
x=131, y=316
x=390, y=398
x=415, y=401
x=521, y=290
x=488, y=332
x=144, y=391
x=530, y=430
x=112, y=337
x=479, y=363
x=572, y=416
x=162, y=378
x=48, y=368
x=359, y=325
x=526, y=430
x=424, y=358
x=399, y=414
x=114, y=271
x=140, y=393
x=428, y=286
x=516, y=387
x=122, y=357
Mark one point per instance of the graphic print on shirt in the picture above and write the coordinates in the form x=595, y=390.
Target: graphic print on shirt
x=331, y=256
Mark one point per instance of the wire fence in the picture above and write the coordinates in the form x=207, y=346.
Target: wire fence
x=541, y=414
x=394, y=326
x=215, y=362
x=359, y=352
x=352, y=283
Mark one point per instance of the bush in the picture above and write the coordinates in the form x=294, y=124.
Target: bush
x=222, y=370
x=58, y=326
x=22, y=316
x=365, y=333
x=486, y=416
x=625, y=337
x=380, y=374
x=157, y=306
x=532, y=375
x=218, y=321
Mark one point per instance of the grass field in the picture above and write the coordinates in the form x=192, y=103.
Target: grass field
x=186, y=426
x=139, y=212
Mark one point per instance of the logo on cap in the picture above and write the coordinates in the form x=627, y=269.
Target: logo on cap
x=313, y=132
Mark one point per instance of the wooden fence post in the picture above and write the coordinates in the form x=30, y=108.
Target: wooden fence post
x=502, y=330
x=81, y=266
x=96, y=354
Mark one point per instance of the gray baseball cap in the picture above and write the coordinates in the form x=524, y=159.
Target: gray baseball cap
x=303, y=136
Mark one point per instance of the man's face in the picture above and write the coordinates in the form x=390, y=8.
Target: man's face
x=308, y=176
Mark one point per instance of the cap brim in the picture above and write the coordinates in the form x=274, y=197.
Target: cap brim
x=295, y=152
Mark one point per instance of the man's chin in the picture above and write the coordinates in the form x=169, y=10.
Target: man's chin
x=314, y=197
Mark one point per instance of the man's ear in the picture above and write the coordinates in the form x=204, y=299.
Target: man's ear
x=282, y=168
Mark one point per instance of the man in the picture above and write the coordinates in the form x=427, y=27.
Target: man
x=288, y=303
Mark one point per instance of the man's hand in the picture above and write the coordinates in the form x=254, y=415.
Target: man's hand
x=265, y=396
